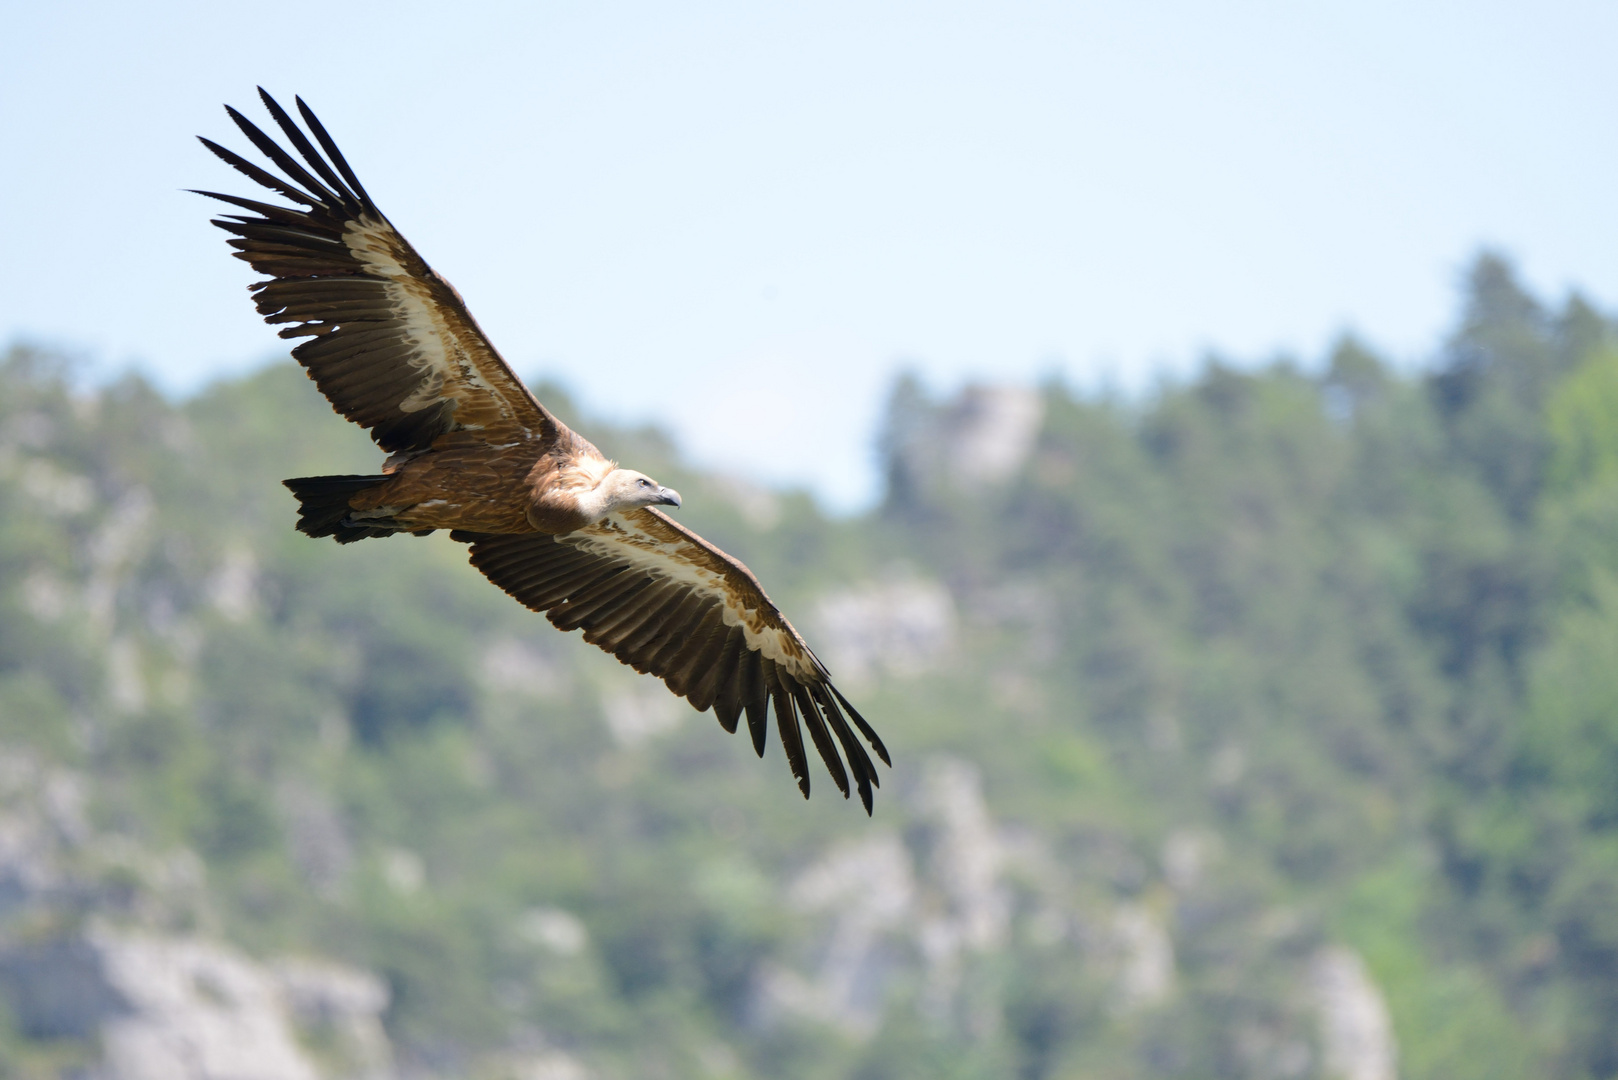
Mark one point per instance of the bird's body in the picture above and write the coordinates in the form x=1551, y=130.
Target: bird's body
x=549, y=518
x=464, y=483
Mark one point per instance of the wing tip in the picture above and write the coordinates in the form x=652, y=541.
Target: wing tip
x=865, y=728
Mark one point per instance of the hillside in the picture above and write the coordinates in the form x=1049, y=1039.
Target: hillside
x=1267, y=727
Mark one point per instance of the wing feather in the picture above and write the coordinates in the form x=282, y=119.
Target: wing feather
x=816, y=723
x=865, y=728
x=257, y=174
x=283, y=160
x=330, y=146
x=658, y=655
x=714, y=669
x=612, y=632
x=639, y=624
x=664, y=601
x=575, y=611
x=786, y=726
x=304, y=148
x=341, y=272
x=859, y=762
x=727, y=703
x=700, y=648
x=752, y=683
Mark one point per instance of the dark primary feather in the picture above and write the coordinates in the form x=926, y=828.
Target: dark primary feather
x=310, y=154
x=330, y=147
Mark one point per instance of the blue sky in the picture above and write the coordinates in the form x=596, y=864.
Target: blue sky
x=740, y=220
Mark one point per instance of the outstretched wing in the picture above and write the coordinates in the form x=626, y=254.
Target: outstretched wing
x=665, y=601
x=391, y=343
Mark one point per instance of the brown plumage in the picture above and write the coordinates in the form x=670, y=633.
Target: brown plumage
x=549, y=518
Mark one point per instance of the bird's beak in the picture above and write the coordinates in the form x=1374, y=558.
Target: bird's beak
x=668, y=496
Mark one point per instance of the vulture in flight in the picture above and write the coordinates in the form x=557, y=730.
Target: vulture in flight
x=547, y=517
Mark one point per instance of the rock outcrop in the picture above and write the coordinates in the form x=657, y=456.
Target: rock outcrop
x=87, y=955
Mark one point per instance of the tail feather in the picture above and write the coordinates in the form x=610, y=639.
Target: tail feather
x=324, y=510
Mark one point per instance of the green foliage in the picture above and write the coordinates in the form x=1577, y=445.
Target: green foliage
x=1582, y=418
x=1269, y=660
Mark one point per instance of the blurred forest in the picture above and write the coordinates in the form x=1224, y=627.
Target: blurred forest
x=1265, y=727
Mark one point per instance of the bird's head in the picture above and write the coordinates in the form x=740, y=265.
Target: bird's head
x=626, y=489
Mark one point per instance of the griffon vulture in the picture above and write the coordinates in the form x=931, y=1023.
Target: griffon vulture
x=548, y=518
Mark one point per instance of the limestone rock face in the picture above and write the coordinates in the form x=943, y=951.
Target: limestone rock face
x=161, y=1005
x=905, y=626
x=168, y=1008
x=340, y=1008
x=1356, y=1033
x=194, y=1009
x=922, y=909
x=980, y=439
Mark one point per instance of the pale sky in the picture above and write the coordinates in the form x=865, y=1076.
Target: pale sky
x=740, y=220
